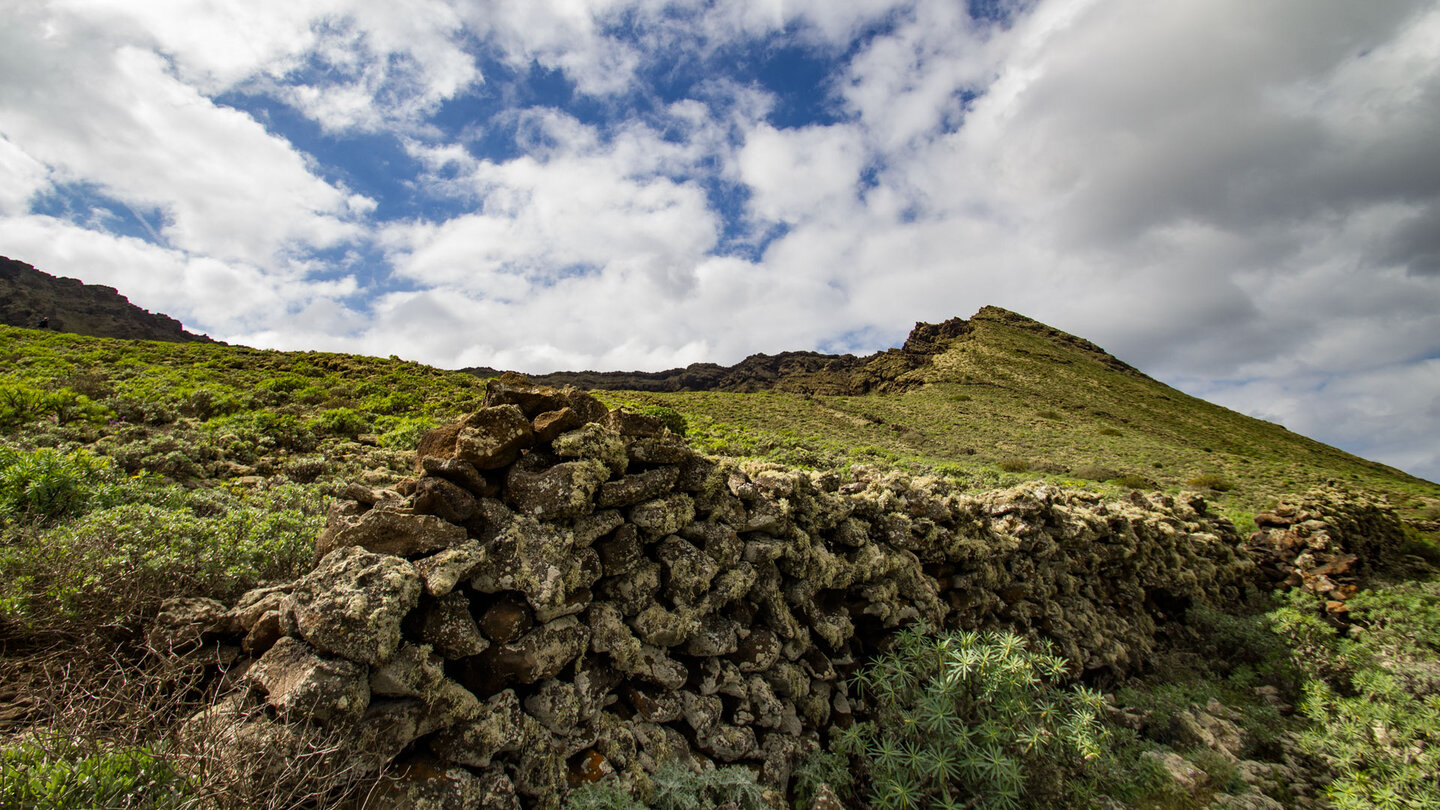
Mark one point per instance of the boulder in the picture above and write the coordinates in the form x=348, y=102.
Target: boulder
x=447, y=626
x=493, y=437
x=352, y=604
x=443, y=571
x=496, y=729
x=389, y=531
x=300, y=683
x=550, y=492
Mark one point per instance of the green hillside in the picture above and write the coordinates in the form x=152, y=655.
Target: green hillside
x=1013, y=399
x=134, y=471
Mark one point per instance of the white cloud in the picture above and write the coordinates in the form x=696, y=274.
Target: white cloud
x=21, y=178
x=226, y=187
x=582, y=206
x=800, y=174
x=225, y=299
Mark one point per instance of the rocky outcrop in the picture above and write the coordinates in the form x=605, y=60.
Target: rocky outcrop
x=541, y=606
x=889, y=371
x=1324, y=543
x=30, y=298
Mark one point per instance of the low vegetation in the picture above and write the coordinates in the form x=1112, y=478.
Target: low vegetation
x=132, y=471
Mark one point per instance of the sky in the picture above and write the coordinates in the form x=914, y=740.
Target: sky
x=1242, y=199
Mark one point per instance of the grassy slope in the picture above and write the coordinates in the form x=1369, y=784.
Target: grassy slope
x=1011, y=395
x=225, y=455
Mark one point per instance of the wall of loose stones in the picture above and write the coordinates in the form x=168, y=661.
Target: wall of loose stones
x=565, y=592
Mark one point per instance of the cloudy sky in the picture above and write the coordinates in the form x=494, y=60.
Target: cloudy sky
x=1241, y=198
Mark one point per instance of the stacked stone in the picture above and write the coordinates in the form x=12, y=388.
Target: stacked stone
x=1324, y=542
x=564, y=592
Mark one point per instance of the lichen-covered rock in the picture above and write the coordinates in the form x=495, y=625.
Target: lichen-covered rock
x=662, y=516
x=593, y=442
x=412, y=671
x=302, y=683
x=389, y=531
x=549, y=492
x=688, y=570
x=497, y=728
x=658, y=450
x=493, y=437
x=441, y=572
x=432, y=786
x=447, y=626
x=626, y=423
x=352, y=604
x=611, y=636
x=459, y=472
x=621, y=553
x=540, y=560
x=539, y=654
x=638, y=487
x=186, y=622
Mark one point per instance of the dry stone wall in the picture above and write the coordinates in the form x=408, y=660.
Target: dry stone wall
x=565, y=592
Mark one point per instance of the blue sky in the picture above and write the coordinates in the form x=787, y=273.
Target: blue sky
x=1241, y=199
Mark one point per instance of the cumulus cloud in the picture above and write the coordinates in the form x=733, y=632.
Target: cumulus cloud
x=1239, y=198
x=226, y=187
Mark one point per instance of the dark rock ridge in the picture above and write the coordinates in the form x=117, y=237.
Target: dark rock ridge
x=889, y=371
x=29, y=297
x=565, y=593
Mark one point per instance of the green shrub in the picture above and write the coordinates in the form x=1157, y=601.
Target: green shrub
x=679, y=788
x=45, y=485
x=21, y=404
x=111, y=567
x=40, y=778
x=342, y=422
x=1109, y=431
x=607, y=795
x=402, y=432
x=1373, y=698
x=970, y=719
x=1014, y=465
x=672, y=418
x=1133, y=481
x=1218, y=483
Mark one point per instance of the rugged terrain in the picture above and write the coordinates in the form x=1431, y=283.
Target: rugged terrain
x=994, y=567
x=29, y=297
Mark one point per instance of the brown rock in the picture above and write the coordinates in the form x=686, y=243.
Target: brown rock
x=532, y=400
x=461, y=473
x=439, y=497
x=447, y=626
x=633, y=489
x=438, y=443
x=551, y=424
x=493, y=437
x=187, y=622
x=263, y=634
x=302, y=684
x=429, y=785
x=507, y=619
x=634, y=424
x=385, y=531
